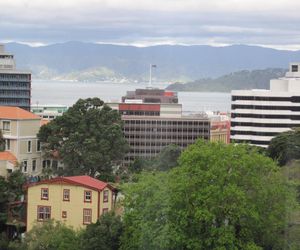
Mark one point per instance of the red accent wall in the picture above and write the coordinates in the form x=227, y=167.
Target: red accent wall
x=136, y=107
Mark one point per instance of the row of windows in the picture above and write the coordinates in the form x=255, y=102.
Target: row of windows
x=250, y=141
x=234, y=132
x=169, y=129
x=24, y=77
x=170, y=123
x=266, y=98
x=44, y=213
x=263, y=107
x=166, y=137
x=265, y=116
x=267, y=125
x=21, y=85
x=66, y=195
x=25, y=166
x=140, y=112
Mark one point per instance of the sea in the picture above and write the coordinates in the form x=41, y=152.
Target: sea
x=68, y=92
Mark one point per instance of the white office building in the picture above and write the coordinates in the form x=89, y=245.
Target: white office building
x=258, y=115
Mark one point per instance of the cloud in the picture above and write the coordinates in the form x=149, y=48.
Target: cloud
x=146, y=22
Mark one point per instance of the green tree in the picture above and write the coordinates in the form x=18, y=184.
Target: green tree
x=2, y=142
x=50, y=235
x=285, y=147
x=104, y=234
x=219, y=197
x=88, y=138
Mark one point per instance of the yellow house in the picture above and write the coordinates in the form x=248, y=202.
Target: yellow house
x=77, y=200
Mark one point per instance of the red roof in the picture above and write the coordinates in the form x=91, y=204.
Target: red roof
x=82, y=180
x=16, y=113
x=7, y=156
x=87, y=181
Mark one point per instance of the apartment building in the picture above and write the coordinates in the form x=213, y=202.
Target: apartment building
x=22, y=148
x=48, y=112
x=15, y=85
x=258, y=115
x=76, y=201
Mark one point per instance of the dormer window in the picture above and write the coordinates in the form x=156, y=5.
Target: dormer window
x=294, y=68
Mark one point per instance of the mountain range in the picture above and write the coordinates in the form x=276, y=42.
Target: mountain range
x=244, y=79
x=92, y=62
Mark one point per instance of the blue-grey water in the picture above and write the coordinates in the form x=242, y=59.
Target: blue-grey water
x=67, y=93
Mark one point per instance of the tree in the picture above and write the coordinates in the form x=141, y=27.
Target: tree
x=104, y=234
x=285, y=147
x=219, y=197
x=88, y=138
x=2, y=142
x=50, y=235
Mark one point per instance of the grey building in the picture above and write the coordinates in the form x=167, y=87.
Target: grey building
x=15, y=85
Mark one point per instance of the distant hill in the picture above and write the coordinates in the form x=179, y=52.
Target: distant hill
x=245, y=79
x=174, y=63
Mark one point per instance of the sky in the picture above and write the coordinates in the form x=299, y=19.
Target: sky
x=269, y=23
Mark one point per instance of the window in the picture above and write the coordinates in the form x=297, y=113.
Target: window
x=24, y=165
x=104, y=210
x=87, y=196
x=44, y=194
x=87, y=216
x=64, y=214
x=33, y=165
x=7, y=144
x=66, y=195
x=43, y=213
x=294, y=68
x=6, y=126
x=38, y=146
x=105, y=195
x=29, y=147
x=46, y=163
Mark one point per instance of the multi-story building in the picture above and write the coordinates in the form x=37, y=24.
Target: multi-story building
x=15, y=85
x=48, y=112
x=153, y=119
x=258, y=115
x=19, y=128
x=76, y=201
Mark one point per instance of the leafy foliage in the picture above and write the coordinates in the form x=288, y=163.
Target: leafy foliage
x=219, y=197
x=2, y=142
x=285, y=146
x=104, y=234
x=88, y=138
x=50, y=235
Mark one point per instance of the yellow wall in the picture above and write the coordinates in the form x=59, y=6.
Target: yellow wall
x=74, y=207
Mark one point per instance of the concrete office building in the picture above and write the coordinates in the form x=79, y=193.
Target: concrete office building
x=15, y=85
x=258, y=115
x=153, y=119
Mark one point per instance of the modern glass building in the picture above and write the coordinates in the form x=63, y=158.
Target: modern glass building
x=15, y=85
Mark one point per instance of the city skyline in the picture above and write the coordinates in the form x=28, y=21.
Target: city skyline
x=150, y=22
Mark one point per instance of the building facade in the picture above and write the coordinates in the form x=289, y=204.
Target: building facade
x=15, y=85
x=76, y=201
x=48, y=112
x=259, y=115
x=19, y=128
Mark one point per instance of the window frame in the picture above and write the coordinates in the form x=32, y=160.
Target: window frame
x=38, y=146
x=38, y=212
x=64, y=214
x=23, y=166
x=42, y=192
x=105, y=196
x=68, y=190
x=4, y=127
x=85, y=222
x=33, y=165
x=29, y=146
x=105, y=210
x=7, y=145
x=84, y=196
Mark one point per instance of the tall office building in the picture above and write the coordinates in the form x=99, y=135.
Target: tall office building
x=153, y=119
x=258, y=115
x=15, y=85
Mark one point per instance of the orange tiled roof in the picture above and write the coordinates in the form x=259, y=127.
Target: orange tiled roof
x=16, y=113
x=7, y=156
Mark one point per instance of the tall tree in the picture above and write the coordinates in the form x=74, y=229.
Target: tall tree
x=285, y=146
x=88, y=138
x=219, y=197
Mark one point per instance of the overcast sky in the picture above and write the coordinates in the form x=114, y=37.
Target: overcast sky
x=148, y=22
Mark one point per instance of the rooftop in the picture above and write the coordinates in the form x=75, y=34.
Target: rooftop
x=16, y=113
x=7, y=156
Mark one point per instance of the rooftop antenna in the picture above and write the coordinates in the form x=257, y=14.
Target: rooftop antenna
x=150, y=75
